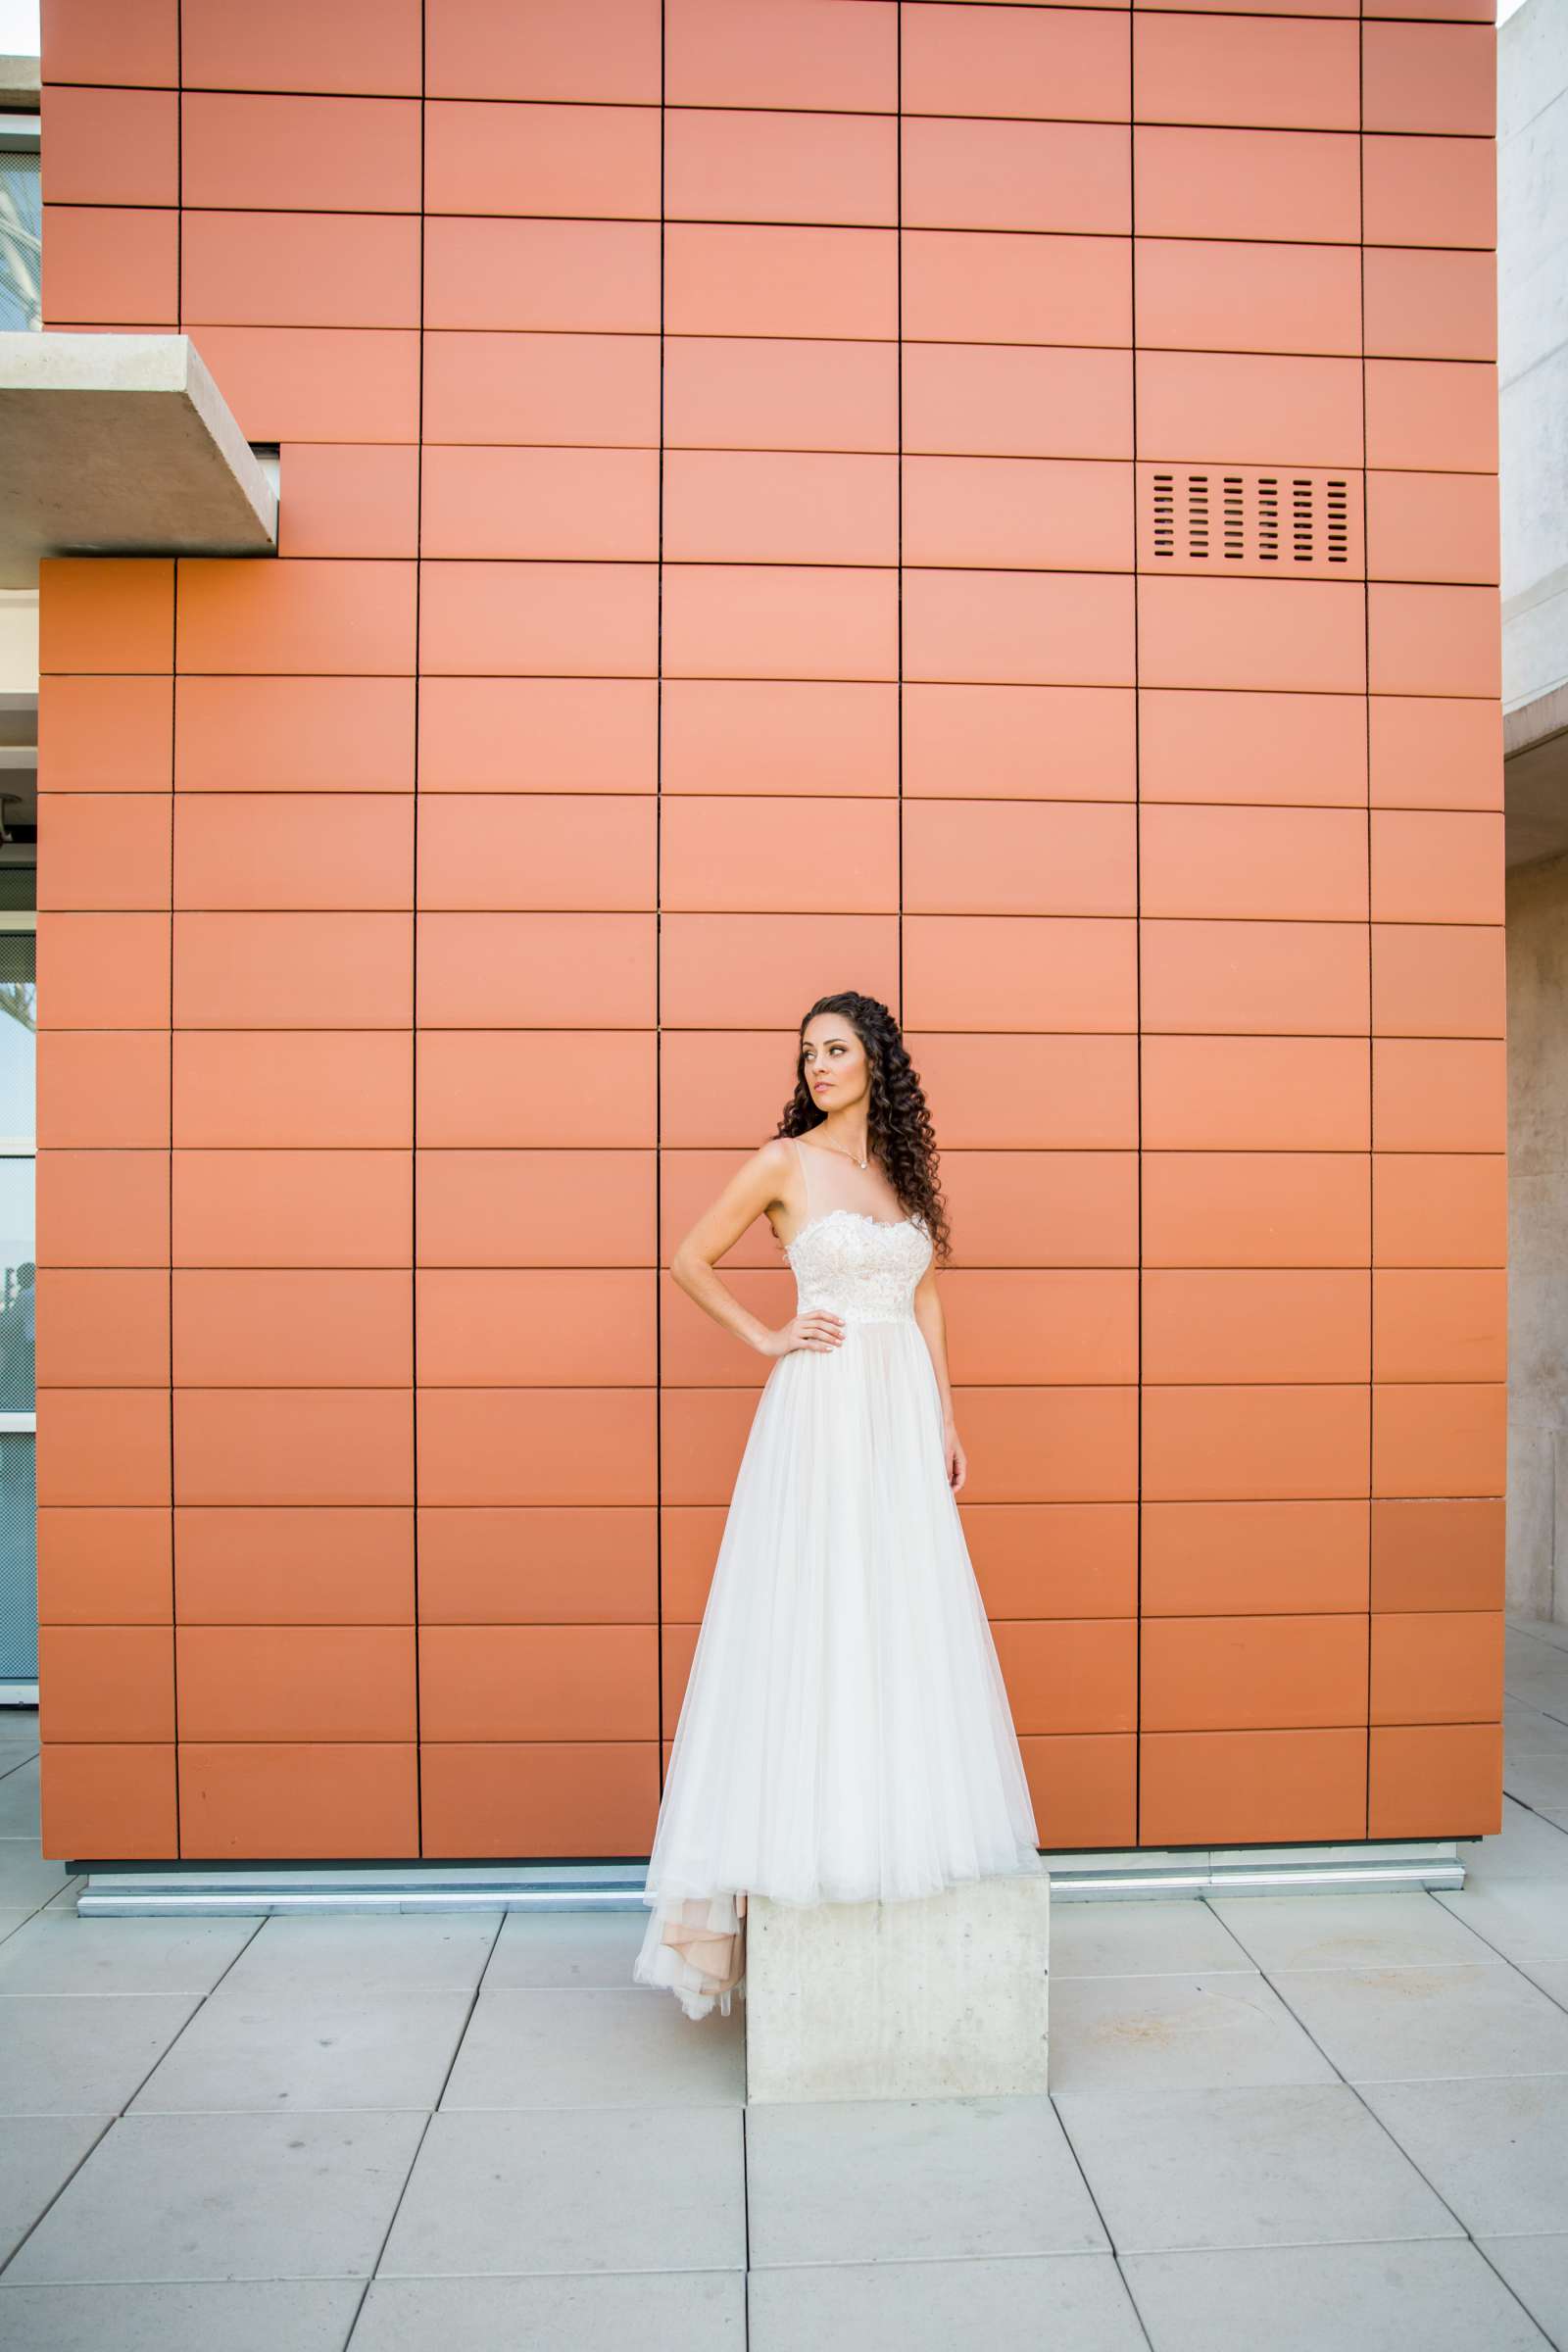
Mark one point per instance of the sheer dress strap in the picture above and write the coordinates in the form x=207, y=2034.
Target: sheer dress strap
x=803, y=1165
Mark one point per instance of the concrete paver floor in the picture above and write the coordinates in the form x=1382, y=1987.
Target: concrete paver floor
x=1282, y=2122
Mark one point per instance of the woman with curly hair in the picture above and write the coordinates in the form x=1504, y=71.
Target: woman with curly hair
x=845, y=1734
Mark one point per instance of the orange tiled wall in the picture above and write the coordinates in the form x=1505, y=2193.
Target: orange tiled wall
x=749, y=538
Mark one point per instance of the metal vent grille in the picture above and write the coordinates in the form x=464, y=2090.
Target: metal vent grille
x=1255, y=520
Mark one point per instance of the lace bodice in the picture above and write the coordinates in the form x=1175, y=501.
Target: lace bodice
x=864, y=1268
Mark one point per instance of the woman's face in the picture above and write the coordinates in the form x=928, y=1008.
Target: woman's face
x=833, y=1061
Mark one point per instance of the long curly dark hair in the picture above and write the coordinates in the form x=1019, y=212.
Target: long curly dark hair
x=898, y=1127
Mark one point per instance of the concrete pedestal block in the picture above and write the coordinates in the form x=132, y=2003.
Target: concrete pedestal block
x=942, y=1997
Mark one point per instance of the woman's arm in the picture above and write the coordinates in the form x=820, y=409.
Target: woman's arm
x=756, y=1186
x=933, y=1329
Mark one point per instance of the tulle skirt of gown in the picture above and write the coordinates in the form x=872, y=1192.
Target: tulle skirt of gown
x=846, y=1734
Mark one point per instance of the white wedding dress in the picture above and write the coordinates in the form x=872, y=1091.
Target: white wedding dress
x=846, y=1734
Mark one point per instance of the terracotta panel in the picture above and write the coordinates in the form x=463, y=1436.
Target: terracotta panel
x=299, y=270
x=1276, y=1093
x=586, y=619
x=349, y=1800
x=1429, y=191
x=291, y=1681
x=483, y=156
x=535, y=1326
x=276, y=1328
x=342, y=500
x=1444, y=1553
x=1018, y=627
x=537, y=850
x=538, y=734
x=1437, y=868
x=103, y=849
x=1070, y=63
x=1435, y=1781
x=762, y=970
x=1220, y=294
x=1249, y=408
x=110, y=1801
x=773, y=392
x=503, y=971
x=1072, y=1674
x=1069, y=177
x=598, y=275
x=1015, y=401
x=1439, y=1094
x=293, y=1565
x=296, y=618
x=539, y=1681
x=279, y=1087
x=505, y=1566
x=1255, y=1324
x=286, y=970
x=1255, y=1445
x=1034, y=857
x=104, y=1327
x=317, y=383
x=1260, y=976
x=110, y=146
x=315, y=1445
x=102, y=1209
x=1300, y=186
x=241, y=852
x=1049, y=1445
x=1065, y=1559
x=696, y=1352
x=103, y=1446
x=1438, y=1667
x=1288, y=749
x=109, y=264
x=102, y=1088
x=496, y=1089
x=1430, y=526
x=557, y=1445
x=1034, y=513
x=101, y=40
x=1256, y=1208
x=1030, y=1093
x=598, y=390
x=1440, y=1438
x=538, y=1797
x=294, y=735
x=272, y=153
x=103, y=971
x=1287, y=74
x=291, y=1208
x=104, y=1566
x=106, y=612
x=1439, y=979
x=360, y=45
x=1214, y=1674
x=1438, y=414
x=765, y=735
x=1058, y=1208
x=106, y=1682
x=1430, y=305
x=779, y=856
x=1033, y=972
x=758, y=1066
x=603, y=49
x=768, y=165
x=544, y=503
x=1433, y=751
x=1074, y=1325
x=1084, y=1789
x=1298, y=864
x=688, y=1549
x=105, y=734
x=746, y=506
x=1429, y=77
x=518, y=1208
x=1258, y=1787
x=1435, y=1210
x=1242, y=1559
x=767, y=620
x=968, y=286
x=1299, y=635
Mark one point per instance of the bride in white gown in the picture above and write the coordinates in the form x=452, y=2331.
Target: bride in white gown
x=845, y=1734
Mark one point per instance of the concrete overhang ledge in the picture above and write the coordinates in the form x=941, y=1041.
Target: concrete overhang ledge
x=121, y=444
